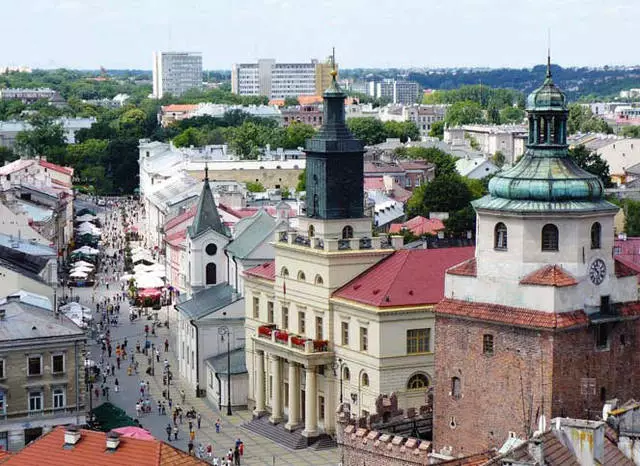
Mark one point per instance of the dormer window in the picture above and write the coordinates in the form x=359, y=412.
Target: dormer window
x=347, y=232
x=550, y=237
x=500, y=236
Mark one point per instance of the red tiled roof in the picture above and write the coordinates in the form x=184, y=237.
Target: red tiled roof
x=4, y=455
x=239, y=213
x=468, y=268
x=408, y=277
x=266, y=271
x=309, y=99
x=380, y=167
x=49, y=450
x=57, y=168
x=373, y=183
x=178, y=219
x=550, y=275
x=625, y=266
x=179, y=108
x=419, y=226
x=629, y=309
x=516, y=316
x=278, y=102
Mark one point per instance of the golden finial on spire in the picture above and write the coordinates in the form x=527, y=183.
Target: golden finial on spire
x=334, y=72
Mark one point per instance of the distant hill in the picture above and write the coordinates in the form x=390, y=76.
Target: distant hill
x=578, y=83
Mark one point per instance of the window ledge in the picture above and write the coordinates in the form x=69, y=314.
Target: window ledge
x=422, y=353
x=501, y=249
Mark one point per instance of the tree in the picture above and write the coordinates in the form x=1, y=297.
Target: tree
x=255, y=187
x=464, y=113
x=45, y=138
x=6, y=155
x=630, y=132
x=132, y=122
x=370, y=130
x=297, y=134
x=499, y=159
x=291, y=102
x=511, y=115
x=446, y=193
x=445, y=163
x=461, y=221
x=85, y=154
x=591, y=162
x=631, y=217
x=437, y=130
x=403, y=130
x=302, y=181
x=190, y=137
x=582, y=120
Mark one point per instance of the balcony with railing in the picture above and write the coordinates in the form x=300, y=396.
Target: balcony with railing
x=332, y=245
x=289, y=344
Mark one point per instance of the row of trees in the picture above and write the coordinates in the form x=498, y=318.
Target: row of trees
x=373, y=131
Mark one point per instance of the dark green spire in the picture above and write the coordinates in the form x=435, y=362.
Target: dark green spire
x=334, y=163
x=207, y=216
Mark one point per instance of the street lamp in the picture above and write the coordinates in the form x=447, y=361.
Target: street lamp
x=336, y=366
x=222, y=331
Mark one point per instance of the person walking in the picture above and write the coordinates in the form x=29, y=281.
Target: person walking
x=192, y=435
x=218, y=426
x=175, y=432
x=116, y=385
x=236, y=456
x=166, y=345
x=183, y=395
x=190, y=426
x=190, y=445
x=168, y=429
x=199, y=419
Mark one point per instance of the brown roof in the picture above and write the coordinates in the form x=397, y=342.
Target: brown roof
x=612, y=454
x=625, y=267
x=555, y=453
x=517, y=316
x=550, y=275
x=467, y=268
x=266, y=271
x=50, y=450
x=472, y=460
x=179, y=108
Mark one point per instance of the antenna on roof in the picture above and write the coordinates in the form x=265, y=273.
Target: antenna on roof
x=549, y=53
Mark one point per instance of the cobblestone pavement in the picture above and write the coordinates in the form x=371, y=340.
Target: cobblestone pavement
x=258, y=450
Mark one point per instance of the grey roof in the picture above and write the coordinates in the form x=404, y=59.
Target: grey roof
x=24, y=257
x=208, y=301
x=252, y=232
x=207, y=216
x=24, y=321
x=236, y=358
x=28, y=247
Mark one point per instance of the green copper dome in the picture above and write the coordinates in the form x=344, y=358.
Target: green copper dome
x=545, y=179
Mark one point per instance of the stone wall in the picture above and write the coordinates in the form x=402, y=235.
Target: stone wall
x=359, y=445
x=270, y=179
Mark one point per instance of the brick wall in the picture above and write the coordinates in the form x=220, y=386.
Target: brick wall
x=531, y=372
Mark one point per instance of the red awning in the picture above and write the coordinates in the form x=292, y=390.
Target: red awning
x=149, y=293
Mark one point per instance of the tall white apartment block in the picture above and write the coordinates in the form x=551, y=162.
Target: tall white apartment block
x=280, y=80
x=176, y=72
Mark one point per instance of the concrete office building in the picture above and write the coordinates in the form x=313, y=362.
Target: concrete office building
x=280, y=80
x=176, y=72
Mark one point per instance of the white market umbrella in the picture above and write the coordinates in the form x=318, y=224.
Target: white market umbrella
x=87, y=250
x=82, y=268
x=126, y=277
x=148, y=281
x=78, y=274
x=86, y=218
x=82, y=263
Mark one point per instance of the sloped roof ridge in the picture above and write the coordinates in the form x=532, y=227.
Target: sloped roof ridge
x=549, y=275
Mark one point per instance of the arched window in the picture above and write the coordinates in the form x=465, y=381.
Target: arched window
x=210, y=278
x=347, y=232
x=318, y=280
x=550, y=237
x=312, y=231
x=346, y=375
x=365, y=379
x=284, y=272
x=500, y=236
x=418, y=382
x=301, y=276
x=596, y=232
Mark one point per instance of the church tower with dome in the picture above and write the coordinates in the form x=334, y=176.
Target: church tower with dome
x=543, y=321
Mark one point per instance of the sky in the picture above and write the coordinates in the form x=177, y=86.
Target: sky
x=120, y=34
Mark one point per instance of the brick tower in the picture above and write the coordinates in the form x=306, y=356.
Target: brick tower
x=543, y=322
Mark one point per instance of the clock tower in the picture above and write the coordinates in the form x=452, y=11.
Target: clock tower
x=543, y=321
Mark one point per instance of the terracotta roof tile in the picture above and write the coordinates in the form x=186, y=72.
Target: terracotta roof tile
x=266, y=271
x=625, y=266
x=467, y=268
x=178, y=219
x=550, y=275
x=179, y=108
x=516, y=316
x=49, y=450
x=555, y=453
x=309, y=99
x=55, y=167
x=629, y=309
x=408, y=277
x=419, y=226
x=4, y=455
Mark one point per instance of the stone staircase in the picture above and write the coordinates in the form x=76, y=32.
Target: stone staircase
x=324, y=442
x=277, y=433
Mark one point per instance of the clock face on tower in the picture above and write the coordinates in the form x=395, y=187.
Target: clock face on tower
x=597, y=271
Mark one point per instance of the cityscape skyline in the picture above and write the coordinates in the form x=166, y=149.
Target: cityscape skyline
x=70, y=35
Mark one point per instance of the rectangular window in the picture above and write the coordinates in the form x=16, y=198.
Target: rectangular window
x=319, y=328
x=602, y=336
x=418, y=340
x=487, y=344
x=35, y=401
x=285, y=318
x=2, y=376
x=256, y=308
x=321, y=410
x=57, y=363
x=59, y=398
x=301, y=323
x=270, y=317
x=35, y=365
x=364, y=338
x=345, y=333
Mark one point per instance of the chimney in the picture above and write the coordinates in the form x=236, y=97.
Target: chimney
x=113, y=440
x=536, y=450
x=584, y=438
x=72, y=435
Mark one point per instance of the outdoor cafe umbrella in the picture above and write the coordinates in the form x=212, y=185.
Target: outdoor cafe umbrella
x=78, y=274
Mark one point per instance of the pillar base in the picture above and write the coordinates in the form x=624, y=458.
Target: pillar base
x=258, y=414
x=310, y=433
x=275, y=420
x=291, y=426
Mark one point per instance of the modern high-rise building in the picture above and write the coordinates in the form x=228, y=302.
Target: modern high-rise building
x=280, y=80
x=176, y=72
x=397, y=92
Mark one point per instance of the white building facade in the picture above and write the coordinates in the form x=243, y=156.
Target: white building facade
x=175, y=73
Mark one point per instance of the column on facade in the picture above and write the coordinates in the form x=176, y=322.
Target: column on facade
x=330, y=404
x=259, y=377
x=276, y=390
x=294, y=396
x=311, y=403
